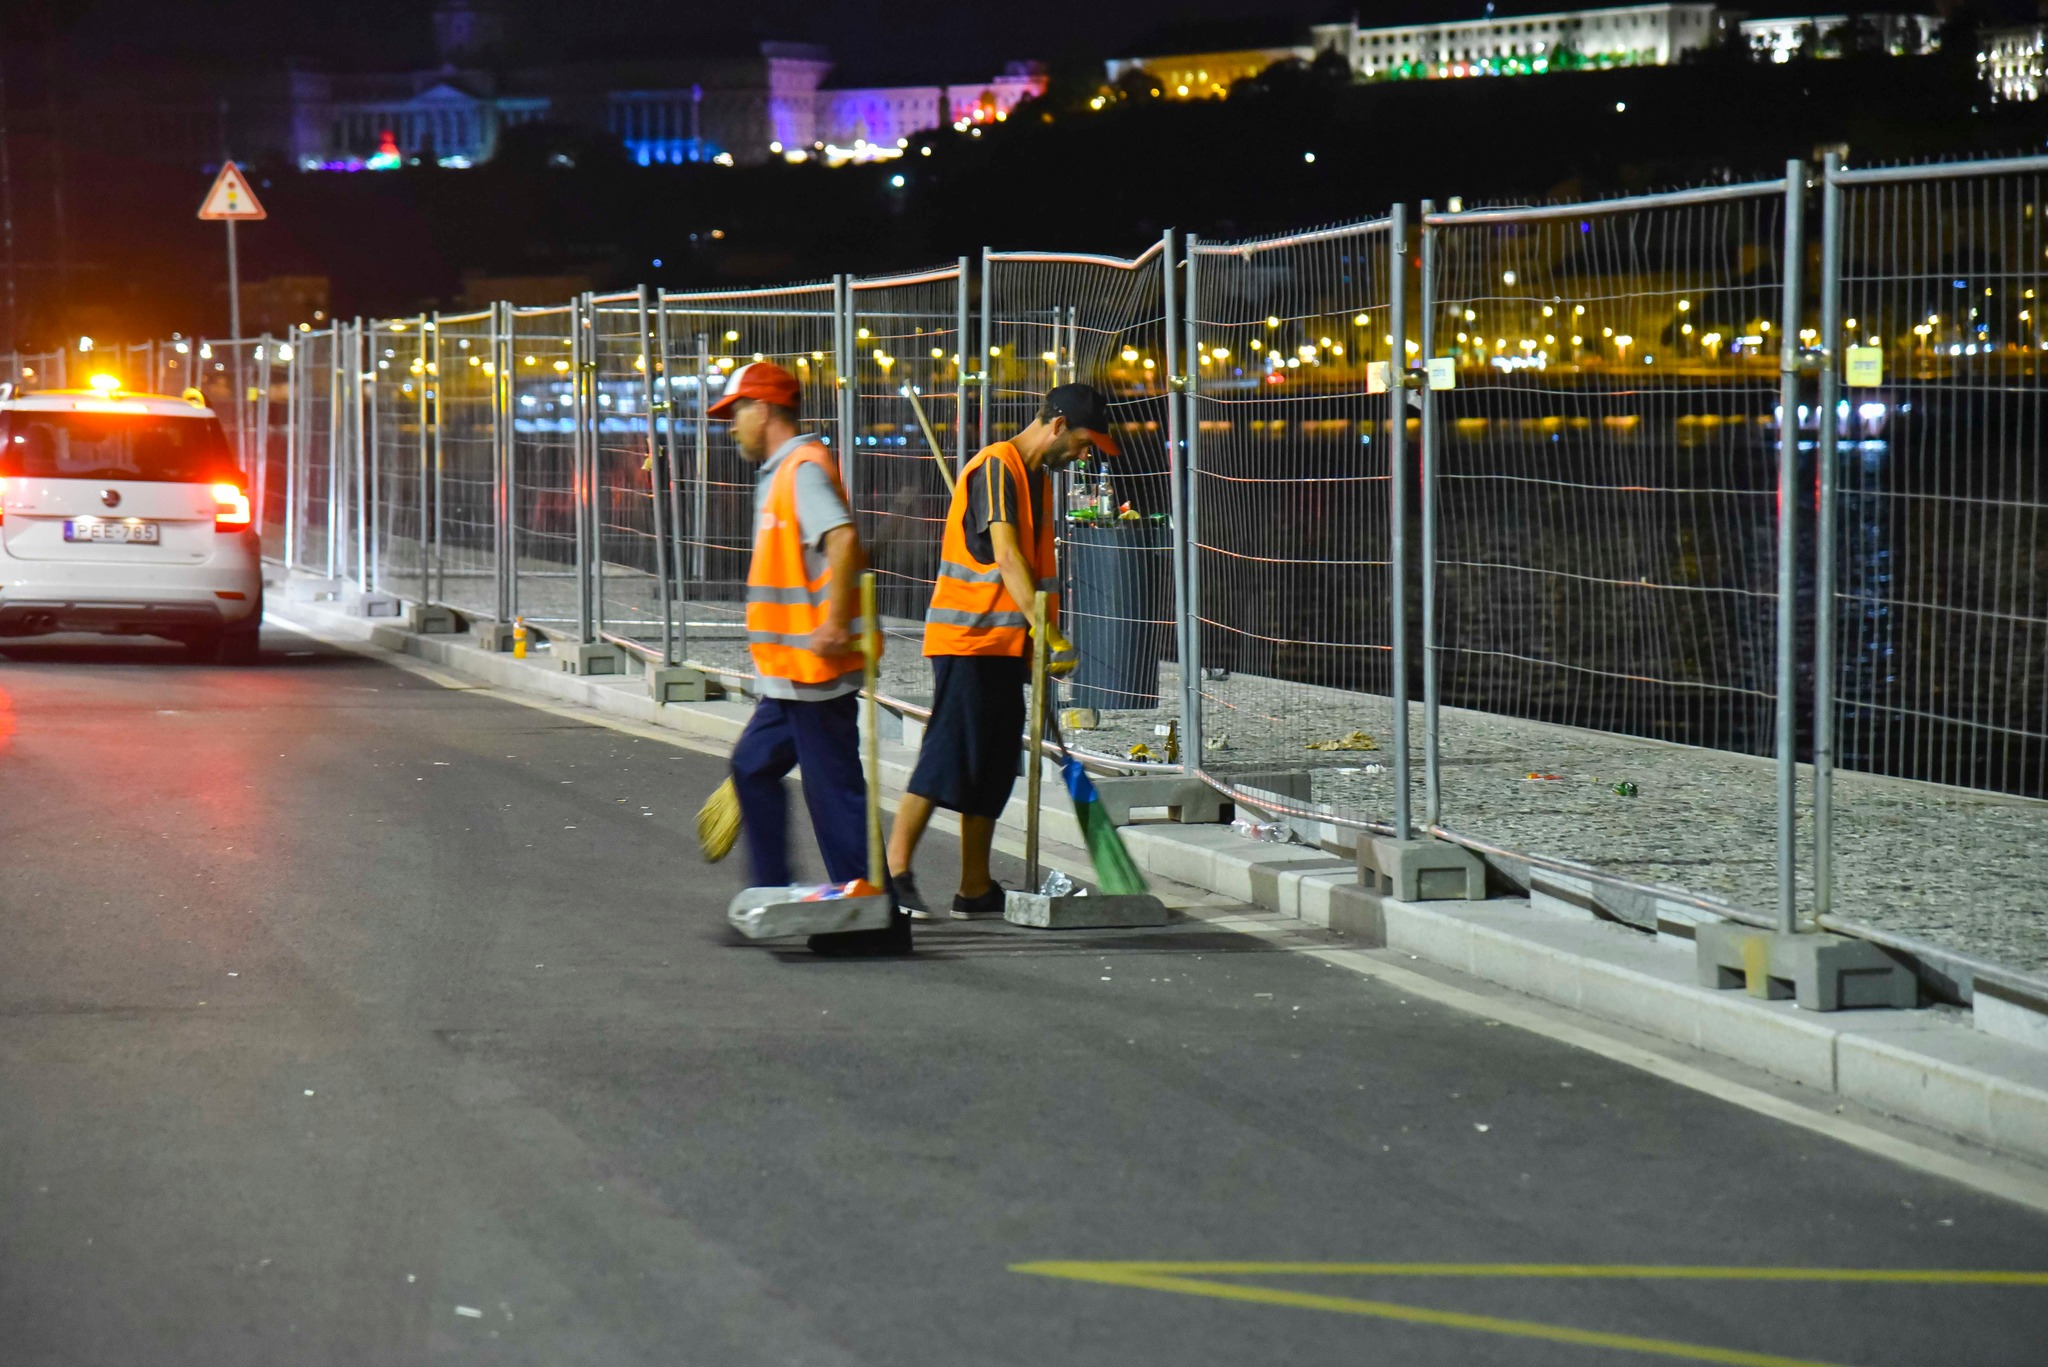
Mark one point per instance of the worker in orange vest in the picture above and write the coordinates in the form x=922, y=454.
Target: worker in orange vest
x=996, y=555
x=803, y=606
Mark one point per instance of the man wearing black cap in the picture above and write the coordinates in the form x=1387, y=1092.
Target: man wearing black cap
x=996, y=556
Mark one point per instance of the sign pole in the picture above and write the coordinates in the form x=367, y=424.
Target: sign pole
x=235, y=334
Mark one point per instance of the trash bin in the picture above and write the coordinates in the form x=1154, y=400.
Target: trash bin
x=1118, y=610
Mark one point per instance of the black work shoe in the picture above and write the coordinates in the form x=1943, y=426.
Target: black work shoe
x=861, y=944
x=988, y=904
x=910, y=898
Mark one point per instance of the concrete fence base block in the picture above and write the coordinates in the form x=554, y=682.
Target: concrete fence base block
x=680, y=683
x=1187, y=800
x=1421, y=870
x=589, y=658
x=1821, y=972
x=430, y=619
x=495, y=637
x=365, y=603
x=2010, y=1014
x=1093, y=912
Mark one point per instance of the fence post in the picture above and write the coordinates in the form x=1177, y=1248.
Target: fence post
x=1788, y=548
x=673, y=550
x=431, y=550
x=420, y=395
x=511, y=584
x=1432, y=681
x=842, y=370
x=373, y=460
x=1824, y=542
x=654, y=489
x=259, y=477
x=986, y=370
x=294, y=451
x=362, y=367
x=1190, y=539
x=587, y=608
x=960, y=359
x=1176, y=475
x=335, y=331
x=1397, y=505
x=503, y=421
x=700, y=478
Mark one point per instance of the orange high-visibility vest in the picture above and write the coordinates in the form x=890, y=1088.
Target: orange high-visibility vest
x=972, y=613
x=784, y=604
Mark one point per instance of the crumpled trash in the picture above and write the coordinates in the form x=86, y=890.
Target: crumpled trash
x=1267, y=832
x=1056, y=884
x=1544, y=778
x=1625, y=789
x=1142, y=751
x=1357, y=740
x=1216, y=742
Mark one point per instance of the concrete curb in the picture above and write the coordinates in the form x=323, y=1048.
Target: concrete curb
x=1926, y=1066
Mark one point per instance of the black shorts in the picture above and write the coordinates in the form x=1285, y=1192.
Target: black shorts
x=972, y=744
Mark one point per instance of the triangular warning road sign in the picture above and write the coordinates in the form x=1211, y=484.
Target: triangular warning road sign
x=231, y=196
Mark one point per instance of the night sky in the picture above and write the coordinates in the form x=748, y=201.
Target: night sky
x=922, y=40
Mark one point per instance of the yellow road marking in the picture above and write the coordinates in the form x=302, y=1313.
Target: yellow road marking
x=1937, y=1276
x=1168, y=1276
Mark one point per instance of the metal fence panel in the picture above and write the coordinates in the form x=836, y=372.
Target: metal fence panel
x=1051, y=318
x=634, y=579
x=1290, y=557
x=1606, y=559
x=396, y=398
x=313, y=485
x=464, y=535
x=1933, y=641
x=903, y=333
x=542, y=535
x=704, y=338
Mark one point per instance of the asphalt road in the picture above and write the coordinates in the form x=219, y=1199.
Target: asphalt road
x=347, y=1018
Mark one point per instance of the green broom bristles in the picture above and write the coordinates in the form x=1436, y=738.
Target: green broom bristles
x=1115, y=871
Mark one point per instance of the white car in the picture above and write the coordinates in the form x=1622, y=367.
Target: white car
x=125, y=514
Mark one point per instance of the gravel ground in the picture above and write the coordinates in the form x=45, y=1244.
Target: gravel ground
x=1958, y=869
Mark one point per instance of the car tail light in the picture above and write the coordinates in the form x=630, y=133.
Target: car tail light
x=230, y=507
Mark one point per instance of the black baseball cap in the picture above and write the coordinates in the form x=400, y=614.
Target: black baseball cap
x=1086, y=410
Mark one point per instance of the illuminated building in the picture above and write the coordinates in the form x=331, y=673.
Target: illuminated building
x=1627, y=35
x=733, y=104
x=1821, y=35
x=2011, y=62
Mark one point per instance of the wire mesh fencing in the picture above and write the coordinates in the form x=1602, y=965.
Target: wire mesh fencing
x=1290, y=521
x=1932, y=646
x=703, y=338
x=462, y=372
x=634, y=584
x=395, y=427
x=312, y=545
x=904, y=346
x=1052, y=318
x=543, y=536
x=1602, y=490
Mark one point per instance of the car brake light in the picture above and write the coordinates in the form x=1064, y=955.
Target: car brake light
x=230, y=506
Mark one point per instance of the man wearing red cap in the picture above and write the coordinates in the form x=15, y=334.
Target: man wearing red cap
x=803, y=596
x=997, y=555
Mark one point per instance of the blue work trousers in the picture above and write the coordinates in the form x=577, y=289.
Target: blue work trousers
x=823, y=738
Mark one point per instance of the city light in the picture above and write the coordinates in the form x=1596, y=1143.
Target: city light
x=85, y=344
x=896, y=181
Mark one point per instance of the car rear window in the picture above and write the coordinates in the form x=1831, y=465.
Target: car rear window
x=146, y=447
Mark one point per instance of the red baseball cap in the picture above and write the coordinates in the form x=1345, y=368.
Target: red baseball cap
x=762, y=380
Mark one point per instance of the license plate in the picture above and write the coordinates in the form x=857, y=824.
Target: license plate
x=121, y=533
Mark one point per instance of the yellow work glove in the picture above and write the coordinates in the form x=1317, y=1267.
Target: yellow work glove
x=1060, y=655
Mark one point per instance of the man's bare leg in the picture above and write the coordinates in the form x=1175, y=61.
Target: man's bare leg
x=977, y=835
x=913, y=814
